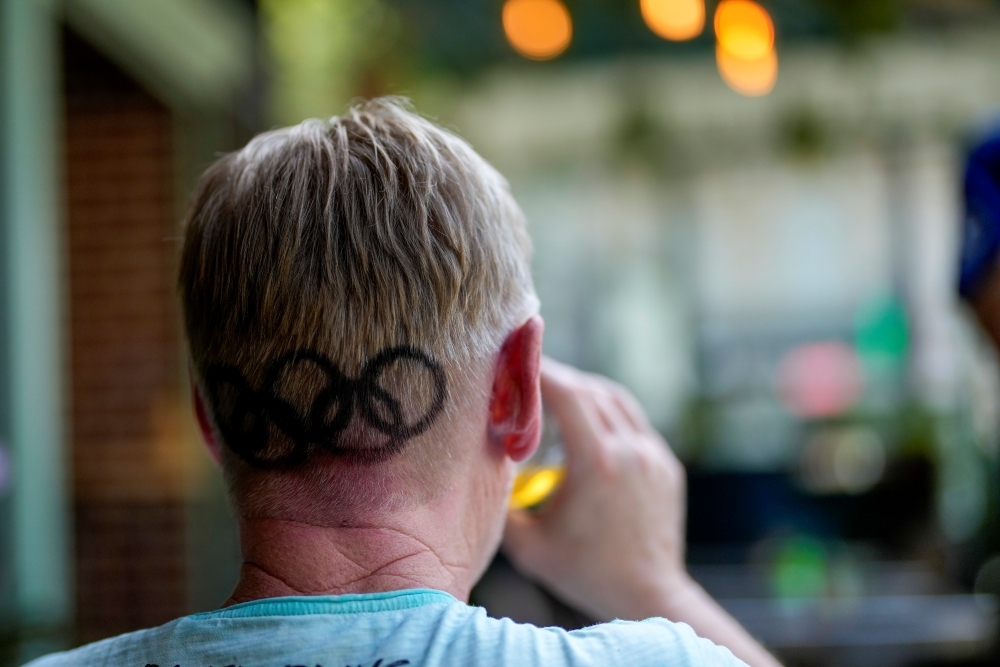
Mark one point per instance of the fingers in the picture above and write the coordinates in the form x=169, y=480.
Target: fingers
x=596, y=401
x=630, y=407
x=565, y=396
x=603, y=400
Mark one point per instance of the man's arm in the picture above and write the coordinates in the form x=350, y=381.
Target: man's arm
x=611, y=540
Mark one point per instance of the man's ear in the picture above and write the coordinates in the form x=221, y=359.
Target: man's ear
x=516, y=399
x=205, y=425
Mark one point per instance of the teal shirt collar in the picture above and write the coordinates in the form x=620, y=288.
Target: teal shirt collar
x=364, y=603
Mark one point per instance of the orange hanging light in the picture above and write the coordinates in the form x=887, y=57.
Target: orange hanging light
x=537, y=29
x=676, y=20
x=744, y=48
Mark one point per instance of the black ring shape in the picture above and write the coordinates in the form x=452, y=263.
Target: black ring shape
x=246, y=427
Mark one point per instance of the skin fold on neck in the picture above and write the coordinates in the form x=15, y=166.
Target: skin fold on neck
x=444, y=546
x=337, y=561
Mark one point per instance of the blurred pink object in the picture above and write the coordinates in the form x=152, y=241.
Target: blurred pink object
x=819, y=379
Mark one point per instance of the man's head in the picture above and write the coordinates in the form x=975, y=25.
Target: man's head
x=355, y=297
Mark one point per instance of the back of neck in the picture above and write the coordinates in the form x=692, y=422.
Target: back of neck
x=285, y=558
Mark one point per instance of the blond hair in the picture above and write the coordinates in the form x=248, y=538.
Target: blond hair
x=341, y=239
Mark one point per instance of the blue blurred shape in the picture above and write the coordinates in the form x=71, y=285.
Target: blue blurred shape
x=981, y=233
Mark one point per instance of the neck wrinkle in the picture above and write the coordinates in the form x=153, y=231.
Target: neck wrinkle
x=287, y=558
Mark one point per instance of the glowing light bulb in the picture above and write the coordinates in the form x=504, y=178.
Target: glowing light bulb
x=744, y=48
x=537, y=29
x=744, y=29
x=676, y=20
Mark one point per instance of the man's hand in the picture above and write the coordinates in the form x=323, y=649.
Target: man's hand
x=611, y=539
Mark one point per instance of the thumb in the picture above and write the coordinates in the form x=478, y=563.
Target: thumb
x=523, y=538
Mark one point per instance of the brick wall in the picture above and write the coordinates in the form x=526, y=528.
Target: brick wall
x=130, y=436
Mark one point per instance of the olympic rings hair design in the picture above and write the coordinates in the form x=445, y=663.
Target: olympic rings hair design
x=246, y=426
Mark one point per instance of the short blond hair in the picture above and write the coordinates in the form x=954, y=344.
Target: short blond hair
x=372, y=231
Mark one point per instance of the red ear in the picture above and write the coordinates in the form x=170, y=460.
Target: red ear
x=516, y=401
x=205, y=425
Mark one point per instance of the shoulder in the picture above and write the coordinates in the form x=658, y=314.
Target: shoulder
x=655, y=641
x=114, y=650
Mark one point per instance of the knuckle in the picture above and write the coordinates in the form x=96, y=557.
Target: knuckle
x=675, y=470
x=606, y=464
x=621, y=393
x=592, y=383
x=577, y=382
x=620, y=390
x=655, y=455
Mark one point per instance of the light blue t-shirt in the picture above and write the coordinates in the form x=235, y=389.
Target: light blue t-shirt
x=415, y=628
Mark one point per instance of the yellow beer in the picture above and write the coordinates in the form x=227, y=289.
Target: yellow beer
x=534, y=484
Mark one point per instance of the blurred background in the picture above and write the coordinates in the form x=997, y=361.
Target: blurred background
x=748, y=213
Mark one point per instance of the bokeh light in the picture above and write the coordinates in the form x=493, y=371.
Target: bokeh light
x=676, y=20
x=537, y=29
x=745, y=51
x=847, y=460
x=800, y=569
x=744, y=29
x=881, y=331
x=819, y=379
